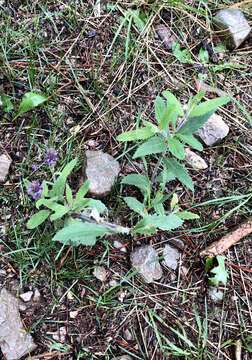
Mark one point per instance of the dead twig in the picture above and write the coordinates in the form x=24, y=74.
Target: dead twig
x=224, y=243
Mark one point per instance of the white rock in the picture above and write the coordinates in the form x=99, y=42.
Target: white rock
x=60, y=335
x=196, y=161
x=127, y=335
x=145, y=260
x=73, y=314
x=233, y=27
x=101, y=171
x=118, y=245
x=37, y=295
x=5, y=162
x=100, y=273
x=123, y=357
x=213, y=131
x=215, y=294
x=171, y=256
x=26, y=296
x=14, y=341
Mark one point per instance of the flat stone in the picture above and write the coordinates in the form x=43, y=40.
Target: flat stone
x=100, y=273
x=145, y=260
x=5, y=162
x=101, y=171
x=14, y=341
x=26, y=297
x=233, y=26
x=213, y=131
x=171, y=256
x=194, y=160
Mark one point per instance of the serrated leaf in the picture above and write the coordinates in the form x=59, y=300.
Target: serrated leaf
x=162, y=222
x=97, y=204
x=46, y=202
x=140, y=181
x=221, y=274
x=134, y=204
x=176, y=148
x=200, y=114
x=29, y=101
x=179, y=172
x=138, y=134
x=69, y=195
x=183, y=56
x=174, y=201
x=187, y=215
x=83, y=190
x=59, y=185
x=203, y=56
x=80, y=233
x=190, y=140
x=154, y=145
x=37, y=219
x=174, y=109
x=160, y=109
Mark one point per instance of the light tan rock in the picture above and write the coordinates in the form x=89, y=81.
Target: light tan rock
x=196, y=161
x=213, y=131
x=5, y=162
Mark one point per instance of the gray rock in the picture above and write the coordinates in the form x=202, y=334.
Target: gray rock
x=213, y=131
x=26, y=296
x=233, y=27
x=100, y=273
x=37, y=295
x=171, y=256
x=5, y=162
x=196, y=161
x=145, y=260
x=123, y=357
x=14, y=341
x=60, y=335
x=118, y=245
x=101, y=170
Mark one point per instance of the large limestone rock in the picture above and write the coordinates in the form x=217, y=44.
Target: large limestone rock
x=14, y=341
x=213, y=131
x=233, y=27
x=145, y=260
x=101, y=170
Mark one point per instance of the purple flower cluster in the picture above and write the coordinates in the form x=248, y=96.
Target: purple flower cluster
x=51, y=157
x=35, y=189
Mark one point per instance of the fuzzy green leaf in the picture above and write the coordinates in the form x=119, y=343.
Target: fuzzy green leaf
x=174, y=109
x=59, y=211
x=69, y=195
x=190, y=140
x=37, y=219
x=179, y=172
x=154, y=145
x=6, y=103
x=176, y=148
x=29, y=101
x=221, y=274
x=160, y=110
x=82, y=190
x=140, y=181
x=134, y=204
x=59, y=185
x=187, y=215
x=138, y=134
x=80, y=233
x=163, y=222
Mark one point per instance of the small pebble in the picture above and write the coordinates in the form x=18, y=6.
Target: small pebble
x=26, y=297
x=73, y=314
x=60, y=335
x=37, y=295
x=118, y=245
x=100, y=273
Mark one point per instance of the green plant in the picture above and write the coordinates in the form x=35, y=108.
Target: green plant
x=77, y=219
x=29, y=102
x=220, y=274
x=173, y=130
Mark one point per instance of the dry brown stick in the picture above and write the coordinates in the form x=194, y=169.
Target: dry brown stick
x=224, y=243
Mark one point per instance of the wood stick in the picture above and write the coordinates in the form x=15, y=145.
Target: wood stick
x=224, y=243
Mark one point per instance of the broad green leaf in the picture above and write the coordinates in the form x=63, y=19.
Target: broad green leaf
x=203, y=56
x=29, y=101
x=82, y=190
x=59, y=211
x=140, y=181
x=174, y=109
x=187, y=215
x=200, y=114
x=176, y=148
x=138, y=19
x=160, y=109
x=179, y=172
x=37, y=219
x=59, y=185
x=80, y=204
x=220, y=272
x=6, y=103
x=69, y=195
x=162, y=222
x=80, y=233
x=134, y=205
x=190, y=140
x=174, y=202
x=165, y=176
x=138, y=134
x=154, y=145
x=209, y=106
x=97, y=204
x=46, y=202
x=194, y=100
x=159, y=209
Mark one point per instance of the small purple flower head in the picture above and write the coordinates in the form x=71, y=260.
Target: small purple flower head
x=34, y=167
x=51, y=157
x=35, y=190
